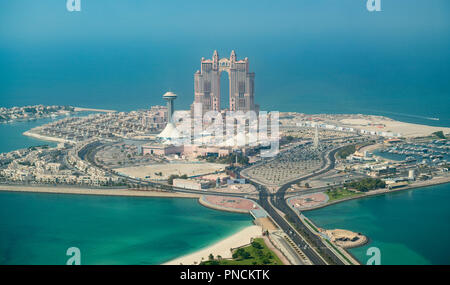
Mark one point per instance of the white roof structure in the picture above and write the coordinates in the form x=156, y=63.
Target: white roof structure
x=170, y=95
x=169, y=132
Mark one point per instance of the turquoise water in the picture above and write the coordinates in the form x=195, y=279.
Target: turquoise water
x=39, y=228
x=12, y=138
x=409, y=227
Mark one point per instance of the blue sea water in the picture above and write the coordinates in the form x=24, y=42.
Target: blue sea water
x=12, y=138
x=409, y=227
x=39, y=228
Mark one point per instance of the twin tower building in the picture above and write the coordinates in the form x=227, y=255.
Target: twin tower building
x=207, y=89
x=242, y=84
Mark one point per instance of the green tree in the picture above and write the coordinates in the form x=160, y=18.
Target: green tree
x=257, y=245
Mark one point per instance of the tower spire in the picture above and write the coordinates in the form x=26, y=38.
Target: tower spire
x=233, y=56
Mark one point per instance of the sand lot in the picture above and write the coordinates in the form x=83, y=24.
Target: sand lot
x=408, y=130
x=167, y=169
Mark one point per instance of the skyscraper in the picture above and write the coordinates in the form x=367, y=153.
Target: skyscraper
x=242, y=86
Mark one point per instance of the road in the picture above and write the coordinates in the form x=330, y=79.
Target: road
x=88, y=152
x=269, y=201
x=317, y=254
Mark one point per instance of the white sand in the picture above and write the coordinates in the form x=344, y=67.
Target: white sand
x=375, y=123
x=80, y=109
x=221, y=248
x=45, y=138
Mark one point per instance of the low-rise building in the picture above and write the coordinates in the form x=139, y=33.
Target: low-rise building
x=194, y=184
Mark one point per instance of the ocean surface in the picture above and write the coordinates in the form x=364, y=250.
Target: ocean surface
x=12, y=138
x=38, y=228
x=409, y=227
x=309, y=56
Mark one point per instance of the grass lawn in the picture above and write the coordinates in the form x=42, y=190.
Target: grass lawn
x=340, y=193
x=255, y=254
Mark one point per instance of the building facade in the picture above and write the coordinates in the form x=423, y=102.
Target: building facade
x=241, y=80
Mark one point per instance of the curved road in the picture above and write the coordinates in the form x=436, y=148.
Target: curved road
x=279, y=202
x=266, y=200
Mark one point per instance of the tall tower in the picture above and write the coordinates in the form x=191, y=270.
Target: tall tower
x=316, y=137
x=170, y=131
x=169, y=97
x=242, y=86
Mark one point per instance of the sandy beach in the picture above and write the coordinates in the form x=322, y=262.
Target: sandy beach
x=221, y=248
x=81, y=109
x=89, y=191
x=378, y=123
x=45, y=138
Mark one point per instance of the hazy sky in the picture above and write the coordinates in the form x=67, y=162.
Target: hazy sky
x=47, y=21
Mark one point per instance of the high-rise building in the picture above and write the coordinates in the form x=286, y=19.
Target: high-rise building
x=242, y=84
x=316, y=137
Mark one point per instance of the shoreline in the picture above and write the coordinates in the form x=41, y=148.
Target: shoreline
x=222, y=247
x=81, y=109
x=378, y=192
x=93, y=191
x=29, y=133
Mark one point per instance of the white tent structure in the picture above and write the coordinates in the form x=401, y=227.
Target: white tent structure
x=169, y=132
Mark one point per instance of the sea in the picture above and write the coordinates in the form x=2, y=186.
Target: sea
x=408, y=227
x=308, y=56
x=37, y=228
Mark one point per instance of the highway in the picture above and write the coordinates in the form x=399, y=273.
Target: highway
x=270, y=202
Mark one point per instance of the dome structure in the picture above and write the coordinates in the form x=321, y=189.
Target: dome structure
x=170, y=95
